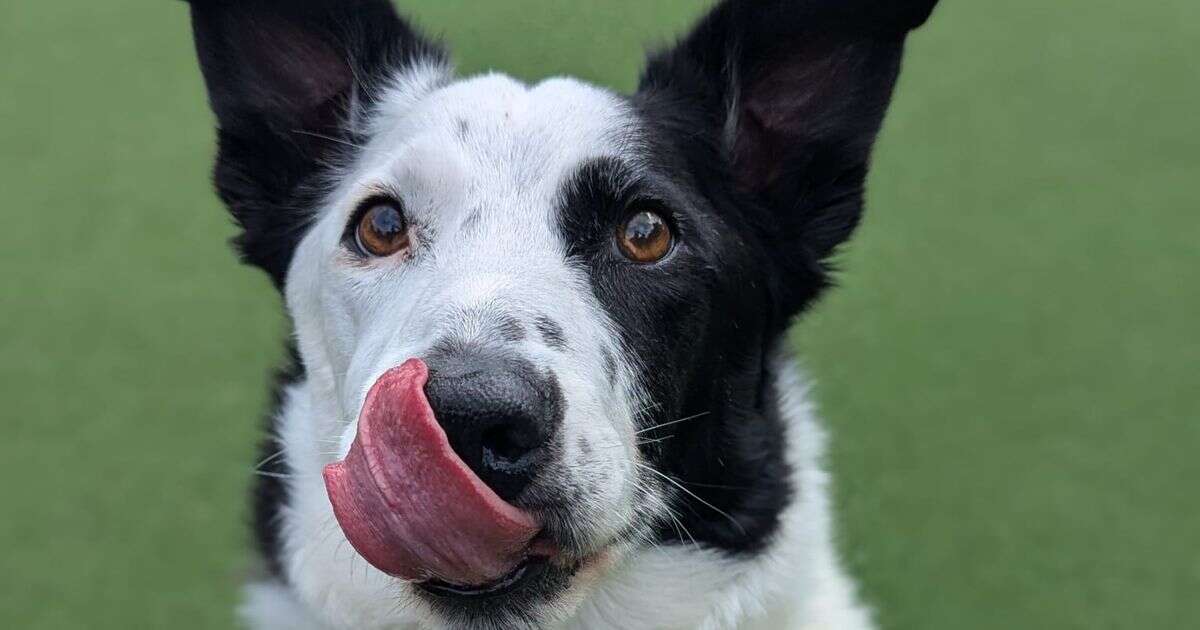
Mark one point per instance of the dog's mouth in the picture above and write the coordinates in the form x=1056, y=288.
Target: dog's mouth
x=525, y=574
x=543, y=562
x=414, y=510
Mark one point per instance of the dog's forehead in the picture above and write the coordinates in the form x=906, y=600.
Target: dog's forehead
x=495, y=129
x=482, y=168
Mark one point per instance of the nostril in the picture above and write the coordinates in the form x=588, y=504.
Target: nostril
x=508, y=448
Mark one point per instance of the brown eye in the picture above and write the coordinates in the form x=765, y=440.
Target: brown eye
x=382, y=230
x=645, y=237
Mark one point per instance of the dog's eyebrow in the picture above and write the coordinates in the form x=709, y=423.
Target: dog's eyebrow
x=594, y=197
x=601, y=177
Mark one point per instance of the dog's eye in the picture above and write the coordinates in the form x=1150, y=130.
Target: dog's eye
x=382, y=230
x=645, y=237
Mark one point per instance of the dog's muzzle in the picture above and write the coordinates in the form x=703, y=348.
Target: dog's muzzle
x=415, y=508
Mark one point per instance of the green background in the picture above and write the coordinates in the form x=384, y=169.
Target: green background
x=1010, y=366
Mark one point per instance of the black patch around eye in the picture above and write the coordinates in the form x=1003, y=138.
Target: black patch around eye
x=594, y=203
x=699, y=329
x=552, y=333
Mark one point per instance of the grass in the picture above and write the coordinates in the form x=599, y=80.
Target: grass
x=1010, y=366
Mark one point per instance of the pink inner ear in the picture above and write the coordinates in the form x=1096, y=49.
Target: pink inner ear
x=814, y=94
x=409, y=505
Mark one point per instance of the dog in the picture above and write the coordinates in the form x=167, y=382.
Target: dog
x=540, y=375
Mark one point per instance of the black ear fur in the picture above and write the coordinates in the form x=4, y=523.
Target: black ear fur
x=796, y=92
x=282, y=76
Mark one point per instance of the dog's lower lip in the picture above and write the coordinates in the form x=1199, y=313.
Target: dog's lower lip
x=524, y=572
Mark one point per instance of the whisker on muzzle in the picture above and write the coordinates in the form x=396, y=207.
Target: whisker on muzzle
x=691, y=494
x=673, y=422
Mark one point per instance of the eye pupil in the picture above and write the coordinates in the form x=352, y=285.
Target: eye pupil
x=382, y=231
x=644, y=227
x=386, y=221
x=645, y=237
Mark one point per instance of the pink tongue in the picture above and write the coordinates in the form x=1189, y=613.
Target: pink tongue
x=409, y=505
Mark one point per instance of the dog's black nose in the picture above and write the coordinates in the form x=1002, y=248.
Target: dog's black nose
x=498, y=412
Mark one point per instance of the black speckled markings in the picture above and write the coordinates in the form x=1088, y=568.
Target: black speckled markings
x=511, y=329
x=552, y=333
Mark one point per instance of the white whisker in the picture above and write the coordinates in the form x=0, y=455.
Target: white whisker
x=673, y=422
x=270, y=458
x=329, y=138
x=675, y=483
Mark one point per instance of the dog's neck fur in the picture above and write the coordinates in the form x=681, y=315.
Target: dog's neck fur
x=797, y=583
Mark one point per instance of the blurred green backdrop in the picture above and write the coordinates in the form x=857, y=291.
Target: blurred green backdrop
x=1010, y=367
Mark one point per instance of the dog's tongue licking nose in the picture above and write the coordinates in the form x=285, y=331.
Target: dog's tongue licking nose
x=409, y=504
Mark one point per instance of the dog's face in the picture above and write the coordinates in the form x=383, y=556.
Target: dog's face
x=536, y=317
x=455, y=238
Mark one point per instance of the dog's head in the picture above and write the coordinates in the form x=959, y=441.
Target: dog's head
x=535, y=321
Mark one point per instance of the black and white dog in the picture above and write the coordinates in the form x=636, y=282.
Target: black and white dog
x=540, y=374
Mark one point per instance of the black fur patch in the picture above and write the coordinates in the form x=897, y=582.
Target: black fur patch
x=701, y=332
x=757, y=133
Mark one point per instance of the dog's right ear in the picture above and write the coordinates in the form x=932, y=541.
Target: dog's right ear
x=790, y=94
x=284, y=78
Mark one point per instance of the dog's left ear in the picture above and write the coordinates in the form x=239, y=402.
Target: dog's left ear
x=286, y=79
x=794, y=92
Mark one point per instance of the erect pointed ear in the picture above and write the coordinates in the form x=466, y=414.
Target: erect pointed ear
x=795, y=92
x=286, y=78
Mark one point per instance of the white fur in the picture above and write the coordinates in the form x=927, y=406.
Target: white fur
x=495, y=147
